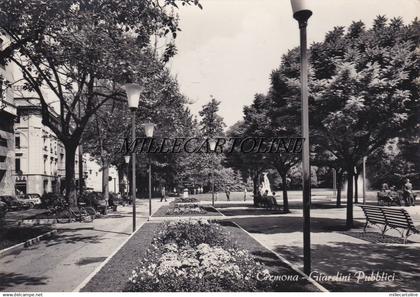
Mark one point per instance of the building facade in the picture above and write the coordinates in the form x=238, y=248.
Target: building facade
x=39, y=155
x=93, y=176
x=7, y=119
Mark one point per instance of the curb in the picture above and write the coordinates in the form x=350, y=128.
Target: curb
x=33, y=222
x=97, y=269
x=28, y=243
x=294, y=267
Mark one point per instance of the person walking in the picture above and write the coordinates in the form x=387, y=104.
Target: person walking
x=227, y=193
x=245, y=194
x=163, y=194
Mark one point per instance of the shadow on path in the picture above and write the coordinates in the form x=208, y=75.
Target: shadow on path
x=348, y=258
x=73, y=239
x=273, y=225
x=89, y=260
x=8, y=280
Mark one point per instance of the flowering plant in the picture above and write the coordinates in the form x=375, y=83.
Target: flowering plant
x=185, y=209
x=193, y=256
x=191, y=232
x=186, y=200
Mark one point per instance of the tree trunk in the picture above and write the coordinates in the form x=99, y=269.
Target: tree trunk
x=105, y=181
x=339, y=186
x=121, y=179
x=71, y=195
x=285, y=198
x=349, y=219
x=356, y=188
x=256, y=184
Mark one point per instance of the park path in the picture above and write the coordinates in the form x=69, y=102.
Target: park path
x=335, y=250
x=61, y=263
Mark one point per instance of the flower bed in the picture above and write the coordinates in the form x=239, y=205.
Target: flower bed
x=183, y=209
x=114, y=275
x=186, y=210
x=193, y=256
x=186, y=200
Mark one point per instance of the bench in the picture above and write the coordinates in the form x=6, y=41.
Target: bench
x=389, y=198
x=390, y=218
x=80, y=214
x=272, y=203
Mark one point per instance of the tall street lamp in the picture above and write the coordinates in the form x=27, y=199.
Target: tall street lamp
x=133, y=96
x=148, y=130
x=302, y=13
x=212, y=145
x=127, y=161
x=364, y=180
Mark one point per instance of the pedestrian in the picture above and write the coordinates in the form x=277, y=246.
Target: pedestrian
x=227, y=193
x=245, y=193
x=408, y=193
x=163, y=194
x=265, y=195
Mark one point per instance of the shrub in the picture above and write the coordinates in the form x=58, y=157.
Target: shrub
x=191, y=233
x=181, y=209
x=203, y=268
x=186, y=200
x=52, y=200
x=195, y=256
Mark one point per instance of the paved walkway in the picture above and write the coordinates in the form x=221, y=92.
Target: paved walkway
x=64, y=261
x=336, y=250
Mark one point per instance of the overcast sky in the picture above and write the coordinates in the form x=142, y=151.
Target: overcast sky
x=229, y=48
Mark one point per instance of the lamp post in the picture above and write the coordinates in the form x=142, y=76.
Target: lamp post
x=133, y=96
x=364, y=180
x=302, y=13
x=148, y=130
x=212, y=145
x=127, y=161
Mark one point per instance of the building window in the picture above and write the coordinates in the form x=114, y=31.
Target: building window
x=3, y=141
x=1, y=88
x=1, y=47
x=17, y=165
x=17, y=142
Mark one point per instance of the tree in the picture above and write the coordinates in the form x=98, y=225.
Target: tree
x=211, y=124
x=369, y=93
x=161, y=103
x=81, y=51
x=390, y=165
x=283, y=111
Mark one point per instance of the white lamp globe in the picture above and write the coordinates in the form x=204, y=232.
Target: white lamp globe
x=212, y=144
x=149, y=129
x=301, y=9
x=133, y=94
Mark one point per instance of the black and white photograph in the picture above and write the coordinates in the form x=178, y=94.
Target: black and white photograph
x=232, y=146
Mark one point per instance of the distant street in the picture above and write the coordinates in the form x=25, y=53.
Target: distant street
x=61, y=263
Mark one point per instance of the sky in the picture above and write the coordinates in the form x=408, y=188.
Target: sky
x=229, y=48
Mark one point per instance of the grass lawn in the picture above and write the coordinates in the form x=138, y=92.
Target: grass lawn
x=113, y=277
x=12, y=235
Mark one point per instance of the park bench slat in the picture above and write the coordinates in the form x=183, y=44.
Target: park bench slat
x=391, y=218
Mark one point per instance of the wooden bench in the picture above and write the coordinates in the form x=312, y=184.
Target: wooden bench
x=272, y=203
x=80, y=214
x=390, y=218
